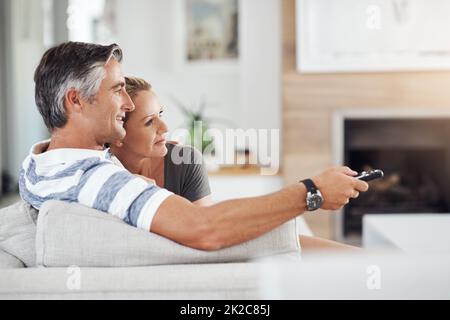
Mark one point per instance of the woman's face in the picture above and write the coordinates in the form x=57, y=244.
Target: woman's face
x=144, y=127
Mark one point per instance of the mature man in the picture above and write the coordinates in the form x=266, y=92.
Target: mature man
x=81, y=96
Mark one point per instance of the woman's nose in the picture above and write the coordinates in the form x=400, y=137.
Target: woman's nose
x=162, y=127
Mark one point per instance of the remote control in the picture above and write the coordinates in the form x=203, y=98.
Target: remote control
x=370, y=175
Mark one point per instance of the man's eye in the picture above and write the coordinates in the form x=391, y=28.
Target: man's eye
x=119, y=90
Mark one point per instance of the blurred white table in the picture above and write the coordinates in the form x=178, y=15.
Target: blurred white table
x=370, y=276
x=411, y=233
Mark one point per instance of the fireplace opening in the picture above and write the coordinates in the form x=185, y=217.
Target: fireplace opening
x=415, y=157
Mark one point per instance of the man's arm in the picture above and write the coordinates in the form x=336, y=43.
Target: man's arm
x=235, y=221
x=204, y=202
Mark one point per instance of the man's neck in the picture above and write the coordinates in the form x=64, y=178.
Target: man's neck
x=64, y=139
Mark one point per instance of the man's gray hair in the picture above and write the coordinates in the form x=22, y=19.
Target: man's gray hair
x=71, y=65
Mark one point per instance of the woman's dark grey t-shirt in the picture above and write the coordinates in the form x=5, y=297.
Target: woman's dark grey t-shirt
x=185, y=173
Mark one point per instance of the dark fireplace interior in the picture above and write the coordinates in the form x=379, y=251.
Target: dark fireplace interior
x=415, y=157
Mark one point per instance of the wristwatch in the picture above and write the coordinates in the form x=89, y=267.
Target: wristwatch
x=314, y=199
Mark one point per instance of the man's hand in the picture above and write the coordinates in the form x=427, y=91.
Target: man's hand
x=337, y=186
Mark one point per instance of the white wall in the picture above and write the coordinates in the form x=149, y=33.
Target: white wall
x=25, y=48
x=2, y=57
x=248, y=95
x=260, y=76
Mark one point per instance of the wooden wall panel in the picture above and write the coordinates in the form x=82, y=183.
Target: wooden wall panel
x=310, y=100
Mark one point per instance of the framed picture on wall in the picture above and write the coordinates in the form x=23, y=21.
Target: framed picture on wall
x=372, y=35
x=208, y=33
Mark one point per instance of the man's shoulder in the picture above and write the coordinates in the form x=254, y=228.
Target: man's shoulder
x=58, y=164
x=43, y=156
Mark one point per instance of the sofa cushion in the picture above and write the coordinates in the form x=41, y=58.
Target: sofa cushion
x=8, y=261
x=18, y=231
x=226, y=281
x=72, y=234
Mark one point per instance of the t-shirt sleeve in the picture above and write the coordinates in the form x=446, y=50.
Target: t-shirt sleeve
x=195, y=181
x=117, y=191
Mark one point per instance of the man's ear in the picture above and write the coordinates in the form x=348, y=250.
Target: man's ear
x=73, y=101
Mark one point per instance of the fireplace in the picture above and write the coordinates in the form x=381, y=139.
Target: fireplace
x=414, y=154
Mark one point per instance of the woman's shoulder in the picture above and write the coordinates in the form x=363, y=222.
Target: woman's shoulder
x=185, y=174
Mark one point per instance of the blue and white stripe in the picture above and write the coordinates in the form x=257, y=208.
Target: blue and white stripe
x=94, y=181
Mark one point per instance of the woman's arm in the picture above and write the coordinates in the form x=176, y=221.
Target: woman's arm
x=314, y=245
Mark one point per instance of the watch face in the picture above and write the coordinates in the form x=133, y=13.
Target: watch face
x=314, y=201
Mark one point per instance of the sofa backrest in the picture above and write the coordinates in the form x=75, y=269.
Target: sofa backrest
x=72, y=234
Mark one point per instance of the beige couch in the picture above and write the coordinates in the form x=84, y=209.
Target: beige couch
x=72, y=252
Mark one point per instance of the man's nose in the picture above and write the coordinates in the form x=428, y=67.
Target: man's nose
x=128, y=105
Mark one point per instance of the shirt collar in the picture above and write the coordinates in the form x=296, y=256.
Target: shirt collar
x=39, y=154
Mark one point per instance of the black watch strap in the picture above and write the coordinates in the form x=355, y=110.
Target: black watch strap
x=310, y=186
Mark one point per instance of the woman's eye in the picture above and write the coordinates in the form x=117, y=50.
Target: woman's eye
x=149, y=122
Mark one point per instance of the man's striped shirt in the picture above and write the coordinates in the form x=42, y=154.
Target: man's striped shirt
x=90, y=178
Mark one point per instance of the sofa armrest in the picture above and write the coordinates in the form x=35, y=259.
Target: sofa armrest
x=8, y=261
x=18, y=232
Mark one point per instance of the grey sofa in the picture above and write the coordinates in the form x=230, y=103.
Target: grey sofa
x=68, y=251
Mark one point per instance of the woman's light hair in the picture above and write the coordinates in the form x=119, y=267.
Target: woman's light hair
x=134, y=85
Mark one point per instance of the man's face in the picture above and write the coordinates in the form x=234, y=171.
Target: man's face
x=106, y=113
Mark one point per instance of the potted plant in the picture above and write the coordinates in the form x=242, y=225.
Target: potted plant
x=197, y=125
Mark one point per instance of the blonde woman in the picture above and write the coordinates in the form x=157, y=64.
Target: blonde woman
x=144, y=151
